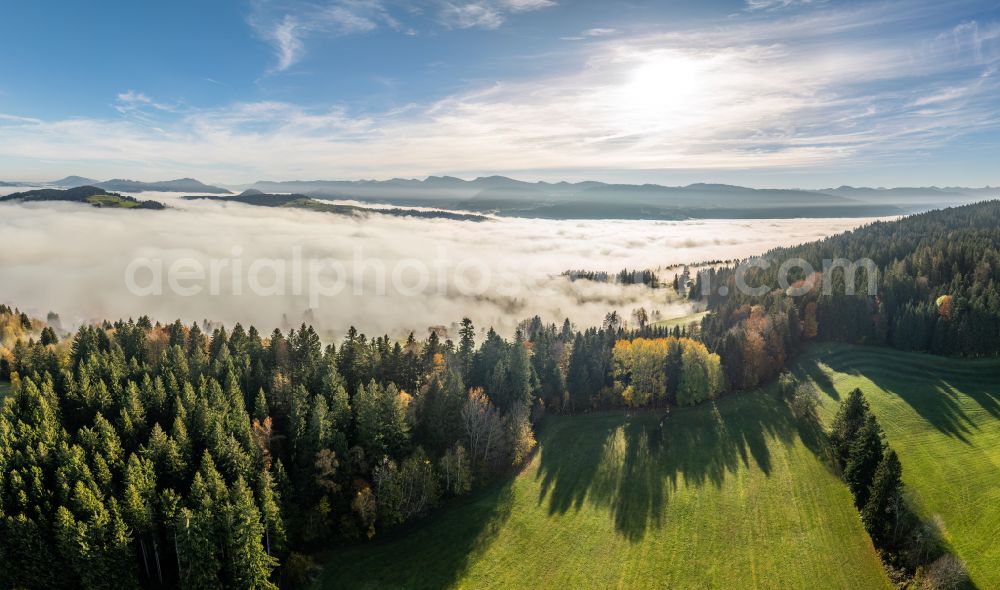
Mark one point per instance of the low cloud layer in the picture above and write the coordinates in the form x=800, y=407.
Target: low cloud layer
x=73, y=260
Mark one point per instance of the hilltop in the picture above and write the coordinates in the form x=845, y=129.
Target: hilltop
x=91, y=195
x=180, y=185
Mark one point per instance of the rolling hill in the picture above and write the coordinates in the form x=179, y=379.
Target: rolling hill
x=731, y=495
x=73, y=181
x=180, y=185
x=90, y=195
x=942, y=416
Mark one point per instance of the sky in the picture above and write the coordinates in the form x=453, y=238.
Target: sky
x=779, y=93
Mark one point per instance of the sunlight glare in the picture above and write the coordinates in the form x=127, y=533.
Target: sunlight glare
x=667, y=91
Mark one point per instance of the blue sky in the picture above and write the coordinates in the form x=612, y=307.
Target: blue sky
x=757, y=92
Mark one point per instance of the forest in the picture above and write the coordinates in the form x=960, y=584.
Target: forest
x=171, y=454
x=938, y=291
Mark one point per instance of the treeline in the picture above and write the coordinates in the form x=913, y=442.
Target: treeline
x=159, y=455
x=909, y=547
x=622, y=277
x=937, y=289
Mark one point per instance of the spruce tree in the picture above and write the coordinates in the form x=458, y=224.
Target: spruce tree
x=883, y=510
x=863, y=460
x=249, y=564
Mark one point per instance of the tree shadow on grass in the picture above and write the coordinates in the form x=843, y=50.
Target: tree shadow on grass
x=932, y=386
x=429, y=553
x=629, y=465
x=825, y=384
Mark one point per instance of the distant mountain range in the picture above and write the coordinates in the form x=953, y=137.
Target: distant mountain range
x=923, y=195
x=598, y=200
x=181, y=185
x=505, y=196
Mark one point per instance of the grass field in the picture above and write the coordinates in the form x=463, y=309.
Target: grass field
x=726, y=496
x=943, y=418
x=681, y=321
x=111, y=201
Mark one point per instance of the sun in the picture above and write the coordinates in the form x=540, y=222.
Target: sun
x=668, y=91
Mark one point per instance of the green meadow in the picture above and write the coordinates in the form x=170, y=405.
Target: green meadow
x=112, y=201
x=942, y=416
x=727, y=495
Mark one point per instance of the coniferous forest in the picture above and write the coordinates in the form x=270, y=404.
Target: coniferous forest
x=937, y=290
x=165, y=455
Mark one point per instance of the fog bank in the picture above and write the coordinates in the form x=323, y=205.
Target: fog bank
x=397, y=274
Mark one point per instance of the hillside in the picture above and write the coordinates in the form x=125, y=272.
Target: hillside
x=91, y=195
x=732, y=498
x=943, y=418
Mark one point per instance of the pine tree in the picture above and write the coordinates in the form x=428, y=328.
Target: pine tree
x=850, y=417
x=197, y=547
x=883, y=510
x=466, y=346
x=270, y=510
x=249, y=564
x=863, y=460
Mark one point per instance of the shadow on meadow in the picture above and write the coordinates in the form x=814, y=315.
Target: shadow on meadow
x=932, y=386
x=629, y=465
x=428, y=553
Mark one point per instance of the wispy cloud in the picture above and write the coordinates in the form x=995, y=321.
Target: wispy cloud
x=774, y=4
x=486, y=14
x=526, y=5
x=471, y=14
x=288, y=24
x=591, y=33
x=137, y=104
